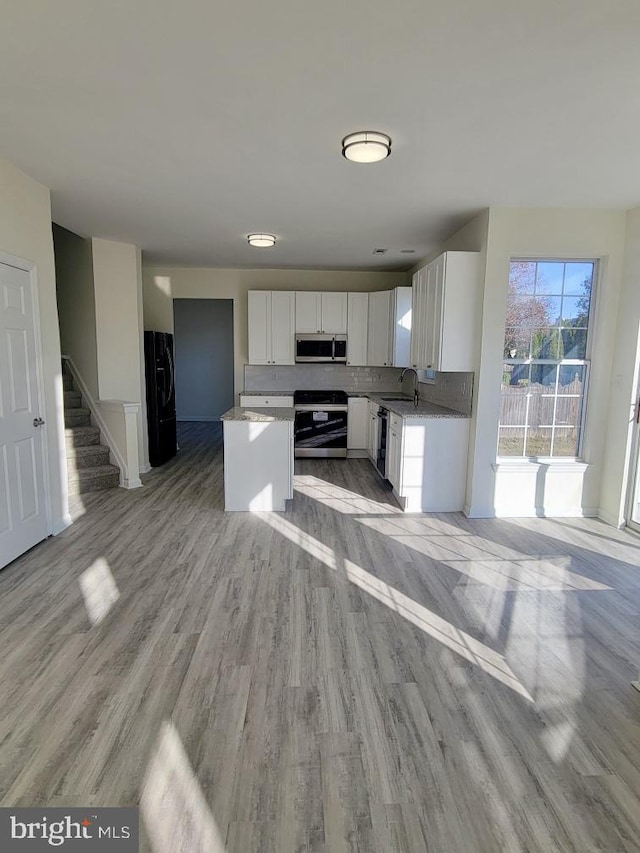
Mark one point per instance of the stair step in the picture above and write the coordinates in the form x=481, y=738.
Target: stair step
x=82, y=436
x=94, y=479
x=72, y=400
x=77, y=417
x=67, y=381
x=88, y=456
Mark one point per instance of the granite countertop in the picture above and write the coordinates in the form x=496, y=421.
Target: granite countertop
x=266, y=393
x=406, y=409
x=268, y=413
x=402, y=406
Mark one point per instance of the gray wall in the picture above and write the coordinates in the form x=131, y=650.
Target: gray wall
x=203, y=330
x=76, y=303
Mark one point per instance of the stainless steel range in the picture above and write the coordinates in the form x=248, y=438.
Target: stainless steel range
x=320, y=423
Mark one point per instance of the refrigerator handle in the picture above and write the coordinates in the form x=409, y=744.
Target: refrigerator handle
x=171, y=373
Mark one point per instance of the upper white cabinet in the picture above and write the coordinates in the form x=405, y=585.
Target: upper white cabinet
x=444, y=313
x=389, y=328
x=402, y=326
x=321, y=312
x=334, y=313
x=271, y=316
x=308, y=311
x=379, y=349
x=357, y=322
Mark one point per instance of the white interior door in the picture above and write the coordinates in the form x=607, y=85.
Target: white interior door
x=23, y=517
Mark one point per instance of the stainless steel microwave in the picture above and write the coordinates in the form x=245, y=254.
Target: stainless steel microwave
x=327, y=348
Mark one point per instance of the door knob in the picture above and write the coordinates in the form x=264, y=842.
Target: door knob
x=37, y=422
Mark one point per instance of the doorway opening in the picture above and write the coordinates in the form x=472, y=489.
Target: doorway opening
x=204, y=363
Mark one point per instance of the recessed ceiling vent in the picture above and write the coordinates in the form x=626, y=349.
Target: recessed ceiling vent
x=380, y=251
x=407, y=251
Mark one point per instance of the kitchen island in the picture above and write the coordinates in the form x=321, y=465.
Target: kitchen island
x=258, y=458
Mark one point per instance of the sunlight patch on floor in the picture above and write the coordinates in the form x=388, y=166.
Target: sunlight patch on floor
x=175, y=812
x=99, y=590
x=340, y=499
x=435, y=626
x=472, y=557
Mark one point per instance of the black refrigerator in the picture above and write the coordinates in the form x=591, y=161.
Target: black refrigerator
x=161, y=396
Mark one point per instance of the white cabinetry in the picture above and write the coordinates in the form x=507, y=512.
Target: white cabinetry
x=444, y=313
x=258, y=465
x=394, y=451
x=357, y=322
x=358, y=423
x=334, y=313
x=321, y=312
x=272, y=401
x=372, y=434
x=271, y=316
x=427, y=462
x=379, y=329
x=308, y=311
x=401, y=356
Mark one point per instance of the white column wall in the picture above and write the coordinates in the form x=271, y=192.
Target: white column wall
x=117, y=277
x=620, y=409
x=522, y=490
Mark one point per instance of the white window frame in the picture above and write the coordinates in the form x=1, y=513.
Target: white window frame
x=586, y=363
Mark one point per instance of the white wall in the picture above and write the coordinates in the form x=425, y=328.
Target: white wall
x=203, y=341
x=117, y=276
x=523, y=488
x=162, y=284
x=25, y=232
x=620, y=408
x=76, y=303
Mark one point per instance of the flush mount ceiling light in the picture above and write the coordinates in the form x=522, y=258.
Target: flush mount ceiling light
x=261, y=241
x=366, y=146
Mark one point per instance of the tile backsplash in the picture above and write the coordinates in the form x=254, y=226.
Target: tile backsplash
x=453, y=390
x=289, y=378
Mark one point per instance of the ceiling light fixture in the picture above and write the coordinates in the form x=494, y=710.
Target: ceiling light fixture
x=262, y=241
x=366, y=146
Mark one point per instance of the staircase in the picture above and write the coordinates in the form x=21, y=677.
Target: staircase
x=88, y=466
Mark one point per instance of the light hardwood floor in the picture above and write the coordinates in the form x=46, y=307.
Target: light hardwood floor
x=340, y=677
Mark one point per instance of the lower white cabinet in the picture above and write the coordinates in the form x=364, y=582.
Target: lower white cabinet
x=357, y=423
x=372, y=432
x=394, y=452
x=427, y=462
x=258, y=465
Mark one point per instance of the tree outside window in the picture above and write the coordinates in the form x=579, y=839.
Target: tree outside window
x=545, y=357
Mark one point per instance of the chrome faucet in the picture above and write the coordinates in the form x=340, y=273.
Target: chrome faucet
x=416, y=392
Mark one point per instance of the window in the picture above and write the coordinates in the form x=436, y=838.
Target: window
x=545, y=358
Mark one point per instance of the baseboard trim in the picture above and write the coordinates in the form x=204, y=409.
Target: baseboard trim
x=61, y=524
x=478, y=512
x=144, y=469
x=357, y=453
x=131, y=484
x=612, y=520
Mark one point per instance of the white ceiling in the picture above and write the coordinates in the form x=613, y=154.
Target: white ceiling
x=182, y=126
